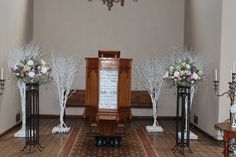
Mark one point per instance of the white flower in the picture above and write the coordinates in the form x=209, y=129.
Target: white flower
x=171, y=68
x=15, y=67
x=176, y=74
x=31, y=74
x=195, y=76
x=44, y=70
x=200, y=72
x=188, y=72
x=188, y=66
x=30, y=62
x=26, y=68
x=166, y=75
x=43, y=62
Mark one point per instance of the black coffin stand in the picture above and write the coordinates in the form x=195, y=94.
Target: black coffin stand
x=183, y=120
x=32, y=118
x=108, y=141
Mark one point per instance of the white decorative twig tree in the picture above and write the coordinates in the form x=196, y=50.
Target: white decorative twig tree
x=64, y=72
x=30, y=50
x=150, y=72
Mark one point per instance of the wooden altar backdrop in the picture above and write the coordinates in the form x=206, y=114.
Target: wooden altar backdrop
x=108, y=85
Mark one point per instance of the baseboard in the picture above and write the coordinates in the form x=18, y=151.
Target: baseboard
x=133, y=117
x=58, y=116
x=158, y=117
x=10, y=129
x=205, y=133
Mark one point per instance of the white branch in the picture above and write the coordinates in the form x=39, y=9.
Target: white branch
x=64, y=72
x=31, y=49
x=150, y=72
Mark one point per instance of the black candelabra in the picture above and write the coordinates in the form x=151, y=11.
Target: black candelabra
x=231, y=94
x=2, y=85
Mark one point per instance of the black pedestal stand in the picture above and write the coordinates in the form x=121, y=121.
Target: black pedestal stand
x=108, y=140
x=32, y=117
x=182, y=120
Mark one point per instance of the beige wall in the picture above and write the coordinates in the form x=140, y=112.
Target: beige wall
x=16, y=29
x=80, y=27
x=203, y=32
x=140, y=28
x=228, y=53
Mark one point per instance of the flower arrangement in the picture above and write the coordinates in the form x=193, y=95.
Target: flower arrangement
x=31, y=70
x=184, y=72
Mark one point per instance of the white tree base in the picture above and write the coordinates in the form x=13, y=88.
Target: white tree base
x=20, y=133
x=192, y=136
x=60, y=130
x=154, y=129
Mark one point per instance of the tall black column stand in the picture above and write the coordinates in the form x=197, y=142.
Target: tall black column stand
x=183, y=120
x=32, y=117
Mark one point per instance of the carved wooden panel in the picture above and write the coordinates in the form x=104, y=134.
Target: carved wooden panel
x=108, y=92
x=124, y=83
x=92, y=76
x=109, y=54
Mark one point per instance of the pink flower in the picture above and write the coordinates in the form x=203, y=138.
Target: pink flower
x=31, y=74
x=166, y=75
x=179, y=78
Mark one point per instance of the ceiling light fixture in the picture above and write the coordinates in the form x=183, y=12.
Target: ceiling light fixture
x=109, y=3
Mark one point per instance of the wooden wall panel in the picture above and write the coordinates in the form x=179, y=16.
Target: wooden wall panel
x=139, y=99
x=77, y=99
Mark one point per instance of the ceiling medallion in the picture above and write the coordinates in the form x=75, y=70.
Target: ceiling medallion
x=109, y=3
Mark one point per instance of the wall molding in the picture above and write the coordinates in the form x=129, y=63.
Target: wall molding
x=10, y=129
x=205, y=133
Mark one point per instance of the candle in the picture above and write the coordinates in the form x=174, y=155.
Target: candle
x=2, y=73
x=234, y=67
x=215, y=74
x=230, y=75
